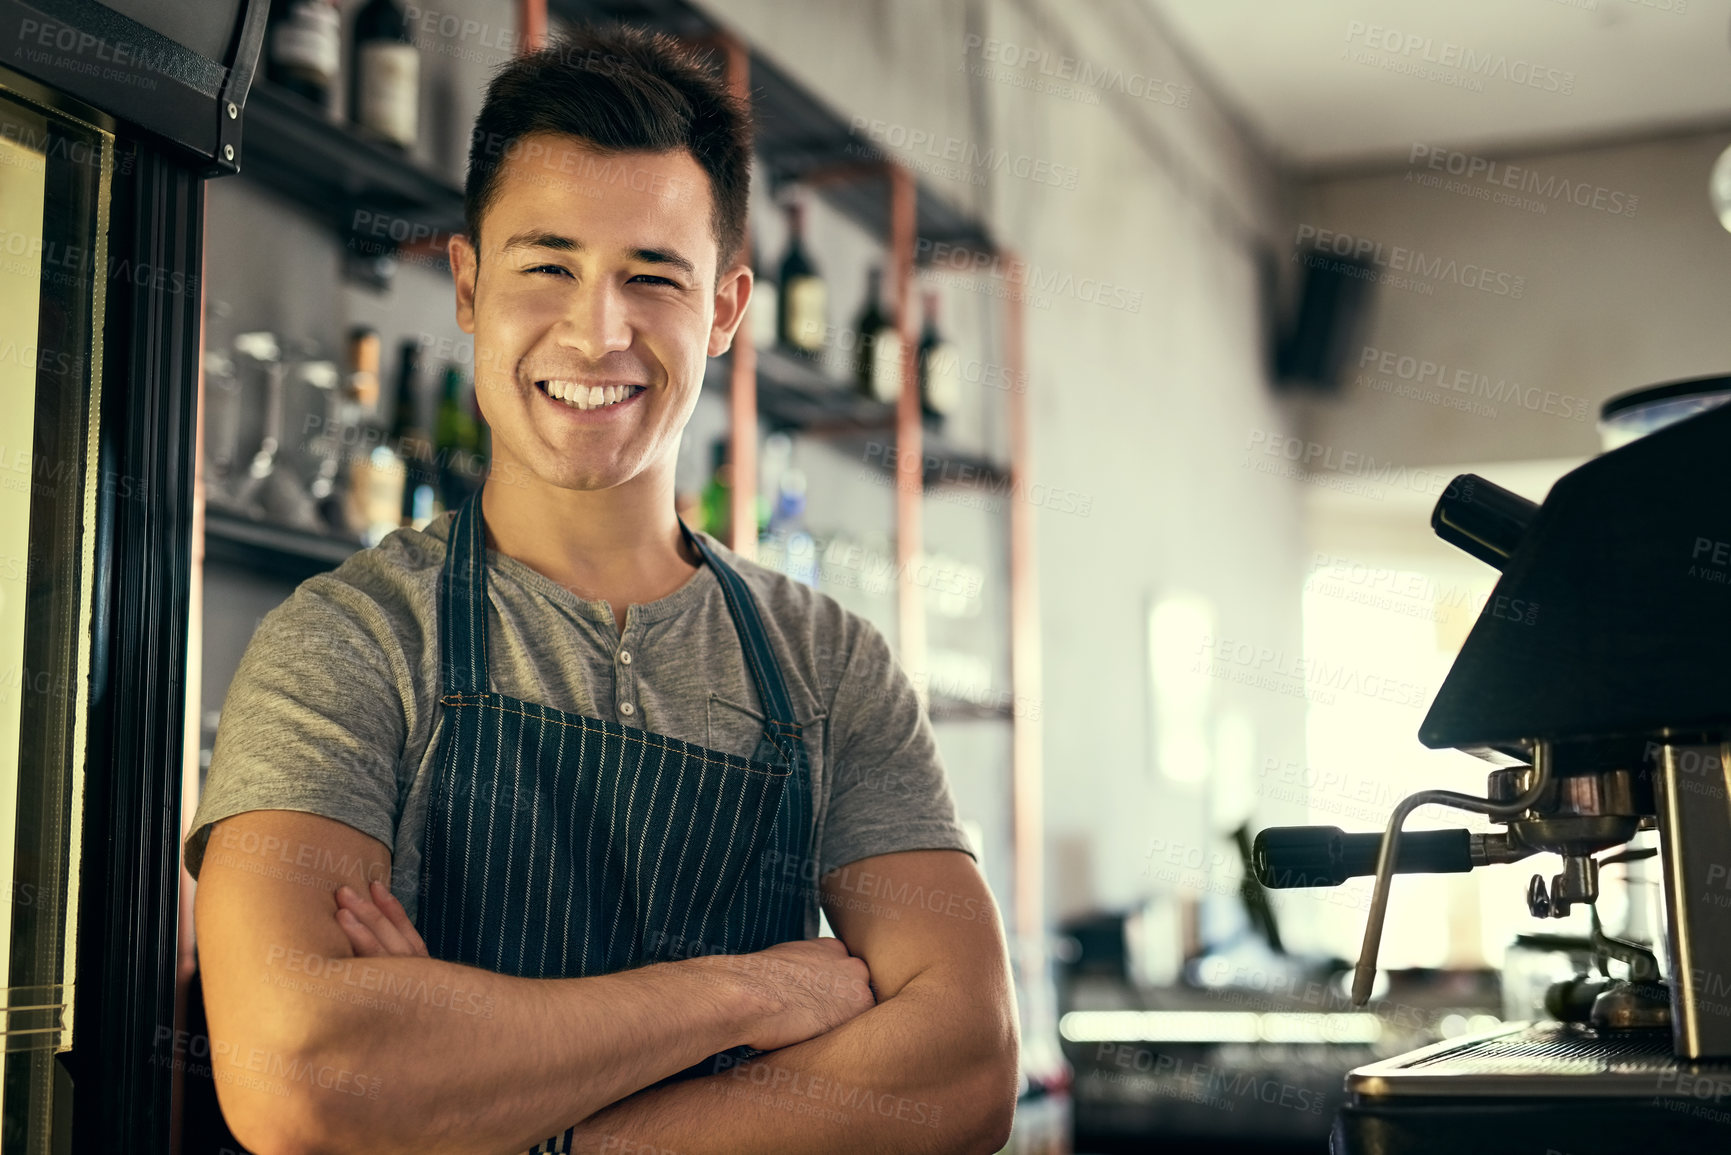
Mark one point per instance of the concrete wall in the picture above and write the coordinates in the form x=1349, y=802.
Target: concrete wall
x=1143, y=414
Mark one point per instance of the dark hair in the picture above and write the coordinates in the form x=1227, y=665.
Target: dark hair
x=619, y=89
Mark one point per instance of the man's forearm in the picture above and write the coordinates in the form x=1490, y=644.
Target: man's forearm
x=470, y=1061
x=913, y=1075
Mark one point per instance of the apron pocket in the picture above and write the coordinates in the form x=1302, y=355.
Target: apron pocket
x=690, y=849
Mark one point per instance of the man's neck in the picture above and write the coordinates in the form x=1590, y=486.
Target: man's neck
x=620, y=545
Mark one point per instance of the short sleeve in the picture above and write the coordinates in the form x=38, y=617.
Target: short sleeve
x=889, y=792
x=315, y=718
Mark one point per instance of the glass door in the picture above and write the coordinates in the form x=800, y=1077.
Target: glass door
x=54, y=196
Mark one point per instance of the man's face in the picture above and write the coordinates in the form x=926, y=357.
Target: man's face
x=595, y=270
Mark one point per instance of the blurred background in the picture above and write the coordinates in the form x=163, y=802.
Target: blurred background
x=1184, y=313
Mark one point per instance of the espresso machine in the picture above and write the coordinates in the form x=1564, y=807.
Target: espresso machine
x=1596, y=684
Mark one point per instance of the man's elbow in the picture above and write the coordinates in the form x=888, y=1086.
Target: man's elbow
x=298, y=1107
x=999, y=1122
x=993, y=1099
x=288, y=1124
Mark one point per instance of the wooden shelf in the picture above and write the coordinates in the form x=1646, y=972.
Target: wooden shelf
x=338, y=171
x=292, y=555
x=796, y=395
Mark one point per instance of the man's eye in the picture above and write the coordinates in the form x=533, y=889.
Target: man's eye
x=560, y=269
x=653, y=277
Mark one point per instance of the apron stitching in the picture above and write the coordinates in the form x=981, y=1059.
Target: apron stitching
x=672, y=812
x=546, y=938
x=625, y=871
x=487, y=857
x=588, y=912
x=679, y=867
x=726, y=857
x=732, y=760
x=510, y=839
x=534, y=824
x=751, y=892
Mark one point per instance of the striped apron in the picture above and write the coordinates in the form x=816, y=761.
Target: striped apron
x=561, y=846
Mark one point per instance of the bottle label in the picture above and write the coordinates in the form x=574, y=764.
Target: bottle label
x=390, y=90
x=762, y=311
x=886, y=365
x=311, y=38
x=805, y=313
x=943, y=378
x=376, y=483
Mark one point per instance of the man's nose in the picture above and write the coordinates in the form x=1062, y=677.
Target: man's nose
x=597, y=321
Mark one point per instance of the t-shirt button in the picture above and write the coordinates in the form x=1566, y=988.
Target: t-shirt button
x=625, y=657
x=627, y=709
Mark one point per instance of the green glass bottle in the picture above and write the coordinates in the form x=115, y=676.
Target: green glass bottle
x=457, y=441
x=716, y=503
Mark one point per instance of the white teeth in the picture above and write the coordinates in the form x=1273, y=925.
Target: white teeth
x=588, y=396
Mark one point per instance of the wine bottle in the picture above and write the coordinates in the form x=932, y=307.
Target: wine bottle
x=940, y=368
x=457, y=441
x=420, y=482
x=877, y=347
x=376, y=474
x=765, y=304
x=386, y=89
x=305, y=48
x=803, y=298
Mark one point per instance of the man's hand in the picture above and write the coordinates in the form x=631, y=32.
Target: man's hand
x=379, y=926
x=807, y=987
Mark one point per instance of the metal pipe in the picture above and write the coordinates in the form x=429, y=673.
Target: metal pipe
x=1365, y=975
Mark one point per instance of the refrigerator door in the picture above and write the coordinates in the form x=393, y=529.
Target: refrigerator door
x=55, y=184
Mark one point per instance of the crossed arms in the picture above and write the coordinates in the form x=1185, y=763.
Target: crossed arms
x=341, y=1037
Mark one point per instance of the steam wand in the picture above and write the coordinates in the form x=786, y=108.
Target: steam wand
x=1364, y=977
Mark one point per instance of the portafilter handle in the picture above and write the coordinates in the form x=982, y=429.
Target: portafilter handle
x=1364, y=976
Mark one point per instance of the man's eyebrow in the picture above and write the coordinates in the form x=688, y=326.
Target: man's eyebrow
x=534, y=239
x=665, y=257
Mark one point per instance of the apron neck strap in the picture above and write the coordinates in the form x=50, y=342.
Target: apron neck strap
x=754, y=639
x=463, y=621
x=463, y=603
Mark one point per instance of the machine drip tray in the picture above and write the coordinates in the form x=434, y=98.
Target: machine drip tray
x=1553, y=1087
x=1563, y=1059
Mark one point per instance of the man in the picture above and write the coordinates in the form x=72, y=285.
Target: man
x=517, y=828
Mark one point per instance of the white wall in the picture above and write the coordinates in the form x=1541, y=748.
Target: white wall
x=1147, y=412
x=1611, y=302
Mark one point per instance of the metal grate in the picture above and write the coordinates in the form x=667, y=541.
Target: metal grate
x=1553, y=1050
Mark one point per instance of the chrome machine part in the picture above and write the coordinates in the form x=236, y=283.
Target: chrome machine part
x=1694, y=788
x=1578, y=882
x=1364, y=977
x=1632, y=1007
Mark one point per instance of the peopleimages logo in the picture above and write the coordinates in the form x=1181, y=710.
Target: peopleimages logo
x=1399, y=259
x=966, y=155
x=1423, y=374
x=1520, y=179
x=1447, y=61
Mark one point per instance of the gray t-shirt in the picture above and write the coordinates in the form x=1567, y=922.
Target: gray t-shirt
x=334, y=709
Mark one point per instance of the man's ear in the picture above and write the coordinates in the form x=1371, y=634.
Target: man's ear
x=465, y=264
x=731, y=296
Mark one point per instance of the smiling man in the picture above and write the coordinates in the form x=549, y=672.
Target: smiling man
x=517, y=828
